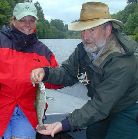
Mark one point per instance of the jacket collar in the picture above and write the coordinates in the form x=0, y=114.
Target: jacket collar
x=21, y=40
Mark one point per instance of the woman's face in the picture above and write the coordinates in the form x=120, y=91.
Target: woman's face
x=26, y=25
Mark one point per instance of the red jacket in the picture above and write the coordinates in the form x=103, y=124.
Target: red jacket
x=17, y=59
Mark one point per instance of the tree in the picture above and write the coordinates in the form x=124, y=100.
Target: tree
x=58, y=24
x=5, y=12
x=121, y=15
x=40, y=29
x=40, y=13
x=28, y=1
x=12, y=3
x=132, y=24
x=132, y=1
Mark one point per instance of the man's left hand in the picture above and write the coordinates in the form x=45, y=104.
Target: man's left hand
x=50, y=129
x=37, y=75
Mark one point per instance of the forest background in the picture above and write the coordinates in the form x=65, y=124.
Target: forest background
x=56, y=29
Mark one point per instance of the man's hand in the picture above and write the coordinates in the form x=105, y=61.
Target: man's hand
x=37, y=75
x=50, y=129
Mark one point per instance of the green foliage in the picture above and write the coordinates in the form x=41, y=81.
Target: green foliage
x=40, y=13
x=5, y=12
x=57, y=27
x=136, y=37
x=131, y=24
x=129, y=16
x=12, y=3
x=6, y=9
x=132, y=1
x=73, y=34
x=58, y=24
x=121, y=15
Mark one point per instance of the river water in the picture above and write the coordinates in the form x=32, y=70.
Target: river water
x=62, y=48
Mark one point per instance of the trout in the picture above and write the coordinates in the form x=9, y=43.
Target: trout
x=41, y=104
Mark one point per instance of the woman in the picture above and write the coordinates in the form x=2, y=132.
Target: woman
x=20, y=52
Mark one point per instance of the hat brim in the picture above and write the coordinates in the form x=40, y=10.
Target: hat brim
x=23, y=14
x=83, y=25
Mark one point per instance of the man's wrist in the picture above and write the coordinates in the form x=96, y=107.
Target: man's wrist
x=66, y=125
x=46, y=70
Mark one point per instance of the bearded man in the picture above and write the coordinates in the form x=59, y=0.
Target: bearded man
x=106, y=61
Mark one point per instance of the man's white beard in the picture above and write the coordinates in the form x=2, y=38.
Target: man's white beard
x=94, y=47
x=90, y=49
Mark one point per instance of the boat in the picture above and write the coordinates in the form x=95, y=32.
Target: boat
x=63, y=101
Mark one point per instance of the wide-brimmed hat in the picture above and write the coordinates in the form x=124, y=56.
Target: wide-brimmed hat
x=24, y=9
x=93, y=14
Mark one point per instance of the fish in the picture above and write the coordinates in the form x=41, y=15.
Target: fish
x=41, y=103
